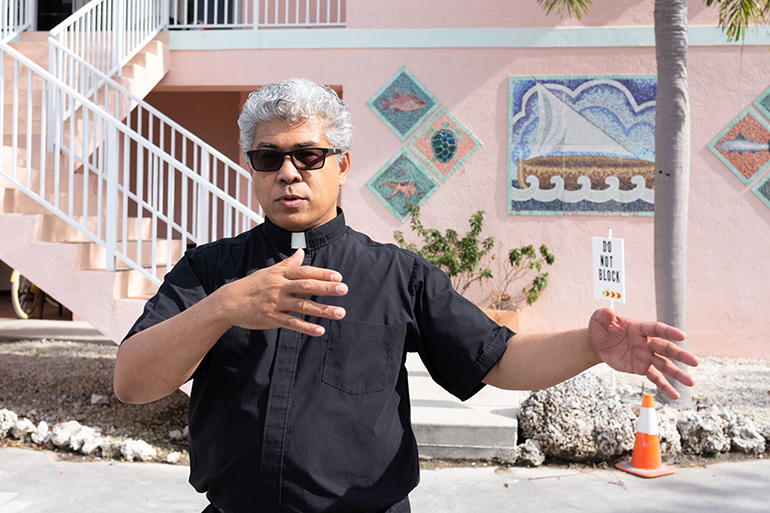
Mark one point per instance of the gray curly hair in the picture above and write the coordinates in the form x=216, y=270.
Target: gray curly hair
x=295, y=100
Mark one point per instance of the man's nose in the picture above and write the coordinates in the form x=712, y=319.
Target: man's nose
x=288, y=173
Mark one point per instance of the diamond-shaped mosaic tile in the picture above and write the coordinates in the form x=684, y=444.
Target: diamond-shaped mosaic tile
x=400, y=182
x=744, y=146
x=762, y=103
x=403, y=103
x=444, y=144
x=762, y=190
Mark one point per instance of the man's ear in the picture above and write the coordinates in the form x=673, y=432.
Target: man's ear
x=344, y=168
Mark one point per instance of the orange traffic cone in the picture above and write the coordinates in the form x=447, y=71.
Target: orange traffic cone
x=645, y=460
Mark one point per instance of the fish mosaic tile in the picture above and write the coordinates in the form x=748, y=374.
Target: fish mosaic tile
x=402, y=181
x=581, y=145
x=744, y=146
x=403, y=103
x=444, y=144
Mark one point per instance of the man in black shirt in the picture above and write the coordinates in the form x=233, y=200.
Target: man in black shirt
x=295, y=334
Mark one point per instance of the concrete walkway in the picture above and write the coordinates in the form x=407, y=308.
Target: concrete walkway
x=37, y=482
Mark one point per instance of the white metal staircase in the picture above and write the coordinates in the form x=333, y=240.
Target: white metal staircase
x=100, y=193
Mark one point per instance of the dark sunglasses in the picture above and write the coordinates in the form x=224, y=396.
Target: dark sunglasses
x=304, y=159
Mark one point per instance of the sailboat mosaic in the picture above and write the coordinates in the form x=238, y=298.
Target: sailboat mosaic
x=581, y=145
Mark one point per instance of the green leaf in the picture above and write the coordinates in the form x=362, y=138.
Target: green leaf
x=574, y=8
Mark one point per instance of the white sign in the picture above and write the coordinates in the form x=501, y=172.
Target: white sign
x=609, y=269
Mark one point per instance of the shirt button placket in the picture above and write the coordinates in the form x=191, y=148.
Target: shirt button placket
x=277, y=416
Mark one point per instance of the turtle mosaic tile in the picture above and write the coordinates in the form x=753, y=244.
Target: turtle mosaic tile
x=402, y=181
x=444, y=144
x=403, y=103
x=744, y=145
x=762, y=190
x=581, y=145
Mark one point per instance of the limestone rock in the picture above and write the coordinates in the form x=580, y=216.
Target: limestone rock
x=670, y=439
x=110, y=447
x=7, y=420
x=173, y=457
x=137, y=450
x=766, y=434
x=578, y=420
x=41, y=433
x=529, y=454
x=22, y=428
x=62, y=432
x=176, y=434
x=85, y=437
x=744, y=437
x=703, y=433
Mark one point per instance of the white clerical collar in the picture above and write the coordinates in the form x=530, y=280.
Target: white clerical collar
x=298, y=240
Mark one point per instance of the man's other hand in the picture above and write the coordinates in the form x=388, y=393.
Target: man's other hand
x=266, y=299
x=643, y=348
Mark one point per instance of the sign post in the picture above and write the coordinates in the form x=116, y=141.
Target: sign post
x=609, y=273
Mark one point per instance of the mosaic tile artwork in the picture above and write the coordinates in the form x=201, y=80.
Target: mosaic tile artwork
x=762, y=103
x=581, y=145
x=400, y=182
x=403, y=103
x=744, y=146
x=444, y=144
x=762, y=190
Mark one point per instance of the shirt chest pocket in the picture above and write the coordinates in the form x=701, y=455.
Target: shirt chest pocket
x=359, y=356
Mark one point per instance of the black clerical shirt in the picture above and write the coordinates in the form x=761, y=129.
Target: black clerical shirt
x=281, y=421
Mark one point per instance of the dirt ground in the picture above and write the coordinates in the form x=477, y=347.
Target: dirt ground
x=54, y=381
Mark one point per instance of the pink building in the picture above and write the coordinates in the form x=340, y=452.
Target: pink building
x=501, y=85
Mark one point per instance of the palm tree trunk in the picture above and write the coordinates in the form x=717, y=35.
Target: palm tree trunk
x=672, y=170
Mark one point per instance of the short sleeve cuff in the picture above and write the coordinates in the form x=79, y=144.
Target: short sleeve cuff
x=471, y=381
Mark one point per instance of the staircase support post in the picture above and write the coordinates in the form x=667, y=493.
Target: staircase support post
x=202, y=225
x=113, y=174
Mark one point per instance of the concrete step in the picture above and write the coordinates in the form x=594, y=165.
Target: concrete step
x=53, y=229
x=92, y=256
x=35, y=50
x=483, y=427
x=130, y=283
x=95, y=296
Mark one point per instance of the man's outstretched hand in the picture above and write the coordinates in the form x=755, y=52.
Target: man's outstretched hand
x=643, y=348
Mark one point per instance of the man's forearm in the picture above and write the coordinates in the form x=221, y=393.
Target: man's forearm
x=537, y=361
x=155, y=362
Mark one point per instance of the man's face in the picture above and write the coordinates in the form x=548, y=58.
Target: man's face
x=298, y=200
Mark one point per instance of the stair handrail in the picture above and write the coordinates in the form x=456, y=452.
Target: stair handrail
x=108, y=33
x=149, y=122
x=126, y=102
x=106, y=150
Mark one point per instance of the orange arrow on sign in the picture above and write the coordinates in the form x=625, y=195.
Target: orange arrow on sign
x=611, y=294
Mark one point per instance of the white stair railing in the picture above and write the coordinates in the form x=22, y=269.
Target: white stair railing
x=108, y=33
x=163, y=132
x=15, y=17
x=117, y=187
x=255, y=14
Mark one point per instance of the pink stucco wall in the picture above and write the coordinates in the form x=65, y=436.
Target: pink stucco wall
x=729, y=231
x=503, y=14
